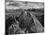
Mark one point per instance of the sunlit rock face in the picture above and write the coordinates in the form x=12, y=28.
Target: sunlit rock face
x=25, y=21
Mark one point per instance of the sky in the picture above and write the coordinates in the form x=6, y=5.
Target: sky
x=27, y=0
x=24, y=6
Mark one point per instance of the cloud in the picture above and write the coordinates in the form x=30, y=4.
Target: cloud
x=12, y=5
